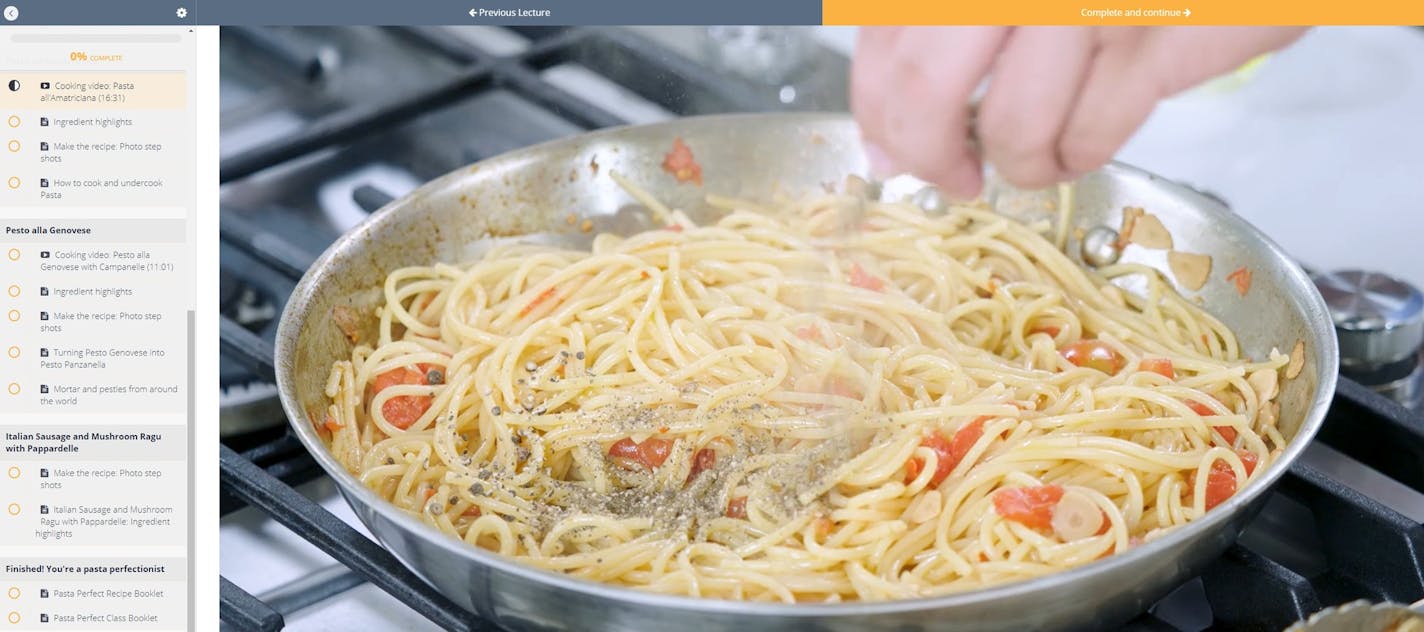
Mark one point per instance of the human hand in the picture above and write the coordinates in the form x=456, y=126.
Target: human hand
x=1060, y=102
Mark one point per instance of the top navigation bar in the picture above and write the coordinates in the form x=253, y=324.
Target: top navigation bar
x=405, y=13
x=663, y=12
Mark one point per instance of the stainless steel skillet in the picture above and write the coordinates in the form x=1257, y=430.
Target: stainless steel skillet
x=530, y=193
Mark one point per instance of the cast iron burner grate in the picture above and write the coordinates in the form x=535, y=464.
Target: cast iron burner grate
x=1318, y=541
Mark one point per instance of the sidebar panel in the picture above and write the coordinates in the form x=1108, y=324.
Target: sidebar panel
x=97, y=171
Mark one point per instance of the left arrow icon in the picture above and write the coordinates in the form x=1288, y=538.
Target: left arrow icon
x=472, y=13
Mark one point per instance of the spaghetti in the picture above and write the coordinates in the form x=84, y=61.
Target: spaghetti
x=825, y=399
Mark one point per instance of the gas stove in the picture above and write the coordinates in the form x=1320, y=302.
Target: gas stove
x=321, y=126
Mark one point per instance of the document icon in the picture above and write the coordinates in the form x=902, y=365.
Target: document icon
x=44, y=122
x=44, y=315
x=44, y=146
x=44, y=183
x=44, y=388
x=44, y=353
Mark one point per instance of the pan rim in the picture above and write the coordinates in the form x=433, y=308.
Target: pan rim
x=1326, y=362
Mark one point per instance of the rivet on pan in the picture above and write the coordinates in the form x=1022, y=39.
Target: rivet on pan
x=1099, y=247
x=930, y=199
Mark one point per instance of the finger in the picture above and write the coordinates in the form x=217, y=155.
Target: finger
x=870, y=87
x=1126, y=81
x=1035, y=82
x=922, y=124
x=1115, y=100
x=868, y=71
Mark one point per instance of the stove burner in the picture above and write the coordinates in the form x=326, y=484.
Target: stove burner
x=347, y=200
x=250, y=308
x=1380, y=324
x=248, y=407
x=253, y=301
x=284, y=54
x=228, y=289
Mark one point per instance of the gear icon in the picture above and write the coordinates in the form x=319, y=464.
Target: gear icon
x=182, y=13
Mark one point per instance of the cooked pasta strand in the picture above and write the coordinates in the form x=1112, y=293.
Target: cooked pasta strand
x=779, y=406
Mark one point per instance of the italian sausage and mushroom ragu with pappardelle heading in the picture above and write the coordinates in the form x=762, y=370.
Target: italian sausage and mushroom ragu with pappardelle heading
x=819, y=399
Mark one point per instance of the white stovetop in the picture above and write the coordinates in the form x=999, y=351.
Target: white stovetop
x=1323, y=149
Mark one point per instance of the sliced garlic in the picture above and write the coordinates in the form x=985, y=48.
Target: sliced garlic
x=1265, y=383
x=1149, y=232
x=1270, y=413
x=1130, y=215
x=924, y=507
x=1297, y=360
x=1191, y=269
x=1076, y=516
